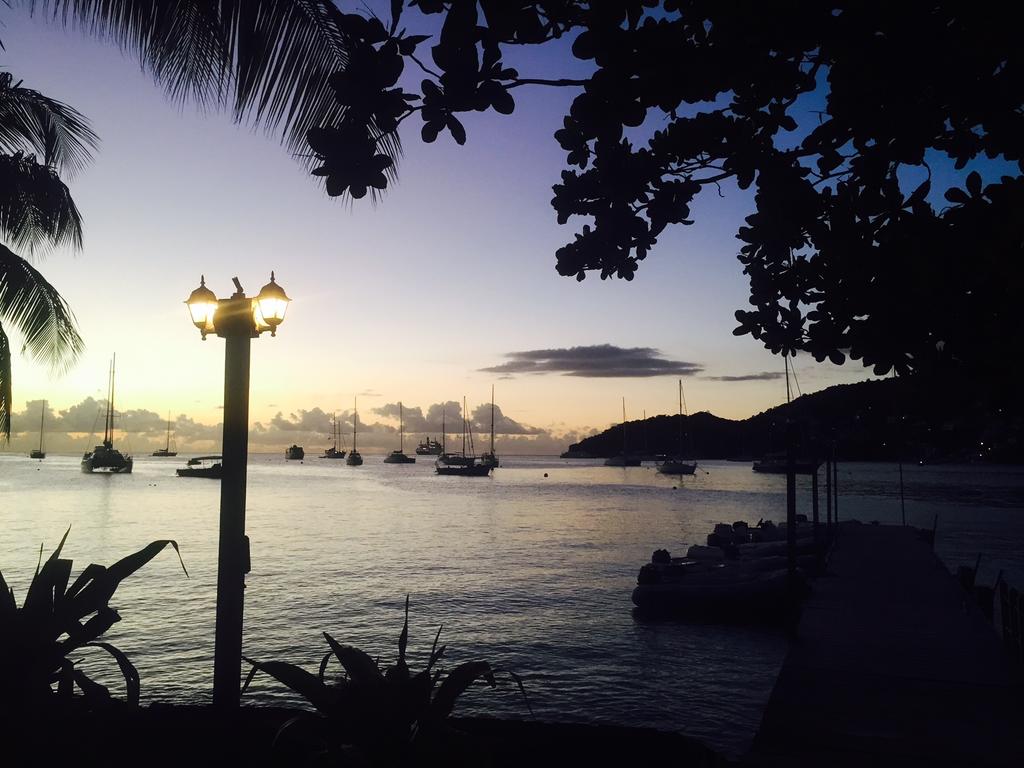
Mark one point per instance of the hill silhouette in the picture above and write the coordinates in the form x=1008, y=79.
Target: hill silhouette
x=881, y=420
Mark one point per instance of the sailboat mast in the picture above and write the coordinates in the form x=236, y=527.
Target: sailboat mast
x=443, y=440
x=401, y=429
x=42, y=414
x=463, y=426
x=492, y=419
x=355, y=422
x=785, y=358
x=168, y=446
x=680, y=417
x=623, y=426
x=108, y=421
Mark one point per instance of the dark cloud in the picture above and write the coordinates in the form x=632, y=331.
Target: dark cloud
x=596, y=361
x=762, y=376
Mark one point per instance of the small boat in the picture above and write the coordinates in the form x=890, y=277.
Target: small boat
x=354, y=458
x=39, y=453
x=106, y=458
x=334, y=452
x=623, y=459
x=202, y=466
x=490, y=458
x=721, y=591
x=399, y=457
x=166, y=450
x=294, y=453
x=677, y=465
x=461, y=464
x=429, y=447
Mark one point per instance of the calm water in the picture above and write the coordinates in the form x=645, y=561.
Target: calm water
x=531, y=573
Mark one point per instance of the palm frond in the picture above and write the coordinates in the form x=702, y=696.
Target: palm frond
x=267, y=60
x=36, y=207
x=6, y=396
x=36, y=124
x=34, y=308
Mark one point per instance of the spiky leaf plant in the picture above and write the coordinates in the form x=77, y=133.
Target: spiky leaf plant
x=374, y=716
x=40, y=641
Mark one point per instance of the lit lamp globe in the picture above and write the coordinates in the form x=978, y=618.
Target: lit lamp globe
x=202, y=304
x=270, y=306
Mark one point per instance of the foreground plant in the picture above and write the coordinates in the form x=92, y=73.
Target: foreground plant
x=378, y=717
x=39, y=641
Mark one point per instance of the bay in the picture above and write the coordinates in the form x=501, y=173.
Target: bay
x=530, y=569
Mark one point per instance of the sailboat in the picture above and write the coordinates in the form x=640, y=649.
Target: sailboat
x=623, y=459
x=777, y=463
x=677, y=465
x=464, y=464
x=399, y=457
x=333, y=452
x=39, y=453
x=491, y=458
x=166, y=450
x=354, y=458
x=106, y=458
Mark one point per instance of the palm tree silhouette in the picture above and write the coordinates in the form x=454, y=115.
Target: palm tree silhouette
x=39, y=139
x=267, y=61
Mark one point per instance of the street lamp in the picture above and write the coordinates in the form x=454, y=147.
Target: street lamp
x=237, y=320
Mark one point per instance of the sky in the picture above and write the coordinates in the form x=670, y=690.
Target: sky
x=441, y=290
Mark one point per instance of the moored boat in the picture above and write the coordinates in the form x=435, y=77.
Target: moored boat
x=354, y=458
x=398, y=456
x=624, y=459
x=202, y=466
x=429, y=447
x=166, y=450
x=39, y=453
x=464, y=463
x=334, y=452
x=105, y=458
x=677, y=465
x=294, y=453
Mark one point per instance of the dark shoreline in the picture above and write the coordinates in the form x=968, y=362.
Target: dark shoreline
x=188, y=735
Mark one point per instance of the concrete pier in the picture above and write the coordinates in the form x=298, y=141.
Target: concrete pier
x=892, y=666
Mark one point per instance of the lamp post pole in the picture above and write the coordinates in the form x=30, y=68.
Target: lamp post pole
x=238, y=320
x=234, y=324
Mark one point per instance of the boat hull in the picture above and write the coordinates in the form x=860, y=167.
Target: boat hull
x=37, y=455
x=463, y=470
x=213, y=473
x=162, y=452
x=295, y=453
x=758, y=596
x=89, y=466
x=354, y=459
x=399, y=458
x=677, y=467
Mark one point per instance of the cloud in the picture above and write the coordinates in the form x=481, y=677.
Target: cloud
x=595, y=361
x=762, y=376
x=141, y=430
x=431, y=423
